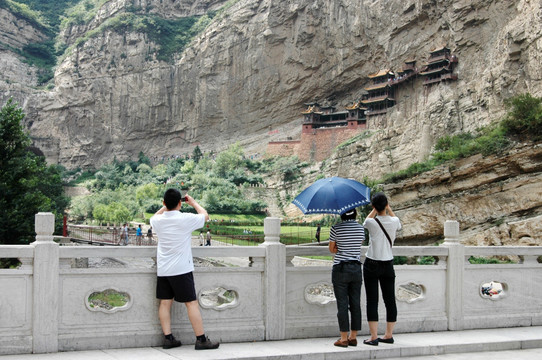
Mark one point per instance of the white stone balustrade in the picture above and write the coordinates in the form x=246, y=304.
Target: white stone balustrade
x=44, y=307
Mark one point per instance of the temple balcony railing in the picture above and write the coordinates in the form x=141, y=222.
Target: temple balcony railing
x=432, y=81
x=376, y=112
x=265, y=294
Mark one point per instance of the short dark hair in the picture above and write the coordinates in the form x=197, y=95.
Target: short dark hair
x=349, y=215
x=379, y=201
x=172, y=198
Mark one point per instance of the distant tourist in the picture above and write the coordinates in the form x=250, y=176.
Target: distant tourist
x=208, y=243
x=175, y=265
x=139, y=233
x=201, y=239
x=149, y=235
x=382, y=225
x=125, y=234
x=318, y=228
x=345, y=241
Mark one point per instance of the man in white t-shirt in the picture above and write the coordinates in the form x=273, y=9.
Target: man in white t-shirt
x=175, y=265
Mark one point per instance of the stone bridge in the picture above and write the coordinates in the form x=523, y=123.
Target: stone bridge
x=45, y=306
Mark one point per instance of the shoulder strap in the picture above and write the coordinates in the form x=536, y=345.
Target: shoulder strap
x=384, y=230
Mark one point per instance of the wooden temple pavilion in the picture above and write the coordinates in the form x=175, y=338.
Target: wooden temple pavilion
x=380, y=94
x=439, y=67
x=317, y=116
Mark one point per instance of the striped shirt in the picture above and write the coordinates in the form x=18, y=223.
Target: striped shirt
x=348, y=235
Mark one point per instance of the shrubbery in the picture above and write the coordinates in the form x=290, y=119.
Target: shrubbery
x=523, y=122
x=139, y=187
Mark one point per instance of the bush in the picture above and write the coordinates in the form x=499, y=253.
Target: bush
x=524, y=120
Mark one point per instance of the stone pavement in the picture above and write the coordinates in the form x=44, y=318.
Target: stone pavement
x=522, y=343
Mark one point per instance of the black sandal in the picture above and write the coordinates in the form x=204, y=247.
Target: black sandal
x=371, y=342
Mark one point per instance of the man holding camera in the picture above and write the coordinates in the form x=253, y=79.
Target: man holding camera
x=175, y=265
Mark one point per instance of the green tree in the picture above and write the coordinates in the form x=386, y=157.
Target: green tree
x=142, y=159
x=197, y=154
x=100, y=213
x=118, y=213
x=227, y=161
x=27, y=184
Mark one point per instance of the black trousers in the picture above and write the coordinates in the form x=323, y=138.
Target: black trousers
x=347, y=280
x=375, y=272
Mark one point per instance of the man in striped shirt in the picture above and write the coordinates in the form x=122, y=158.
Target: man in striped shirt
x=345, y=241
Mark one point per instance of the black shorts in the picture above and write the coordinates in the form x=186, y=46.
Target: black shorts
x=178, y=287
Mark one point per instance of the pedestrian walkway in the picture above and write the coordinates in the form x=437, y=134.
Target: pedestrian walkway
x=522, y=343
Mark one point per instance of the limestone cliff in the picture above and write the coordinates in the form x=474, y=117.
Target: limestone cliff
x=496, y=199
x=252, y=69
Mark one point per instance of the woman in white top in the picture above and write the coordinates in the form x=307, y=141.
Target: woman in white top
x=382, y=225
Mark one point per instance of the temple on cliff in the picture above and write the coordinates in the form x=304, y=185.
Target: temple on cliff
x=325, y=116
x=439, y=67
x=324, y=127
x=380, y=94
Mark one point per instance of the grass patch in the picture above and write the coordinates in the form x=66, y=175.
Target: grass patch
x=110, y=297
x=523, y=122
x=488, y=260
x=320, y=257
x=487, y=141
x=354, y=139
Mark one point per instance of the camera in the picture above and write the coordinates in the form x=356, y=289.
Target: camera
x=184, y=199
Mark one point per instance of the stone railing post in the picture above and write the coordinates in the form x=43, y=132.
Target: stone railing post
x=454, y=275
x=46, y=283
x=275, y=281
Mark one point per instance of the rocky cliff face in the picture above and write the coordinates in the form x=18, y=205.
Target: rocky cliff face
x=17, y=77
x=497, y=200
x=253, y=68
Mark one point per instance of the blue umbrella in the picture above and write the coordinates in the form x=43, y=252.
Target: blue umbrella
x=333, y=195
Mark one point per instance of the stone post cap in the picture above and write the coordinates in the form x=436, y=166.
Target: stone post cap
x=44, y=223
x=271, y=229
x=451, y=230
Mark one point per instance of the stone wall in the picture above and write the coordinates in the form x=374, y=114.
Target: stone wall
x=315, y=146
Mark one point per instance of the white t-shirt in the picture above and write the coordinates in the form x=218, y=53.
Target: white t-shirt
x=174, y=251
x=379, y=246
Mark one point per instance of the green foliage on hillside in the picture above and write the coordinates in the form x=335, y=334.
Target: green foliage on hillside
x=523, y=122
x=171, y=35
x=81, y=13
x=44, y=16
x=23, y=11
x=27, y=184
x=218, y=184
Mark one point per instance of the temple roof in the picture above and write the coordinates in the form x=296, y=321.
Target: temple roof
x=356, y=105
x=311, y=110
x=434, y=71
x=382, y=72
x=377, y=86
x=376, y=100
x=439, y=48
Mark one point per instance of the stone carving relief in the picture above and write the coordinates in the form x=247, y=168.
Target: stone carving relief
x=218, y=298
x=319, y=294
x=410, y=292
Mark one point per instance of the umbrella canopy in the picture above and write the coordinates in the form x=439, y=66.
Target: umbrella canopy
x=333, y=195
